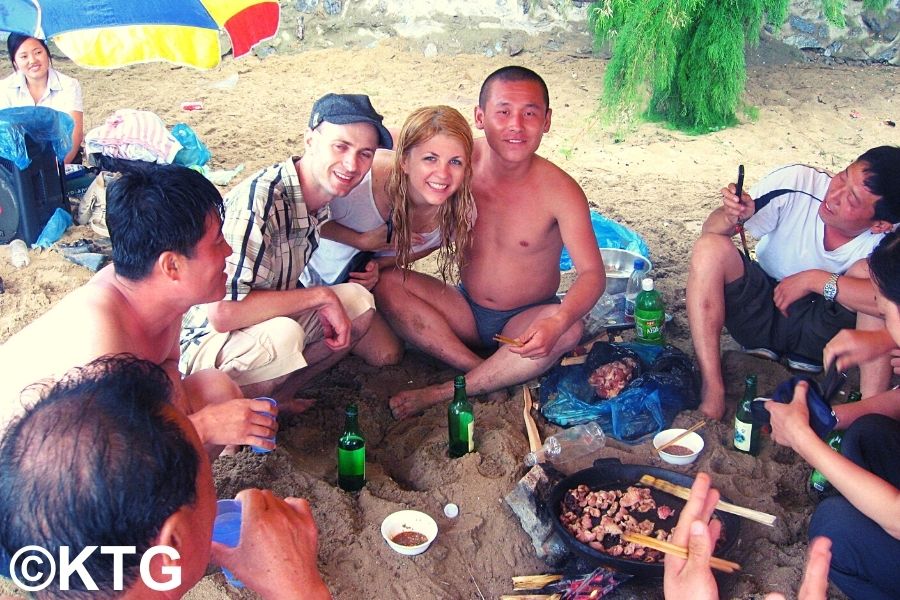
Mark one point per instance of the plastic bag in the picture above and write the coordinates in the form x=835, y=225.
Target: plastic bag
x=39, y=123
x=609, y=234
x=821, y=417
x=54, y=229
x=193, y=153
x=667, y=383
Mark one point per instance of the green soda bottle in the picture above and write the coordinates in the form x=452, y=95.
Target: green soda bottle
x=818, y=485
x=746, y=432
x=351, y=454
x=460, y=420
x=649, y=314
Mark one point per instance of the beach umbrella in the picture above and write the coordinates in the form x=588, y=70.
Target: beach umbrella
x=114, y=33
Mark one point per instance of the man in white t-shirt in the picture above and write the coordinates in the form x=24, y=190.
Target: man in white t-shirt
x=810, y=281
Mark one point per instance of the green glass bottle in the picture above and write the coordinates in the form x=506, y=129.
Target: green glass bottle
x=460, y=420
x=746, y=432
x=649, y=315
x=351, y=454
x=818, y=483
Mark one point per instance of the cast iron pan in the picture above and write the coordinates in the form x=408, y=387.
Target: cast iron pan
x=611, y=474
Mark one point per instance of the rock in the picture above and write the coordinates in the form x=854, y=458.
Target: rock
x=802, y=25
x=332, y=7
x=306, y=6
x=525, y=501
x=430, y=50
x=803, y=41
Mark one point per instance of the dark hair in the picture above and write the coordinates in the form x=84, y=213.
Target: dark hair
x=511, y=73
x=883, y=180
x=17, y=39
x=156, y=209
x=884, y=264
x=96, y=461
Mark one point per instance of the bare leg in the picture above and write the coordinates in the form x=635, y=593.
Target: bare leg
x=500, y=370
x=875, y=375
x=380, y=346
x=430, y=315
x=715, y=262
x=319, y=358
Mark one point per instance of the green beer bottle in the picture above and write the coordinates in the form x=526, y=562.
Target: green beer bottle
x=818, y=484
x=460, y=420
x=746, y=432
x=649, y=315
x=351, y=454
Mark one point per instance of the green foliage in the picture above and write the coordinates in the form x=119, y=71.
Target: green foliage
x=682, y=61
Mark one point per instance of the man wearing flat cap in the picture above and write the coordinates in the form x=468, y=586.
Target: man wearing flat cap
x=268, y=333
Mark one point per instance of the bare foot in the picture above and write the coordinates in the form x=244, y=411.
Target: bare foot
x=712, y=401
x=295, y=405
x=413, y=402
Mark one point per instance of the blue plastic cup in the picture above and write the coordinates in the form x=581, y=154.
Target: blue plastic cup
x=227, y=530
x=259, y=449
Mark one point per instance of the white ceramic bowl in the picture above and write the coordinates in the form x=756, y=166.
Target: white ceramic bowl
x=692, y=441
x=409, y=520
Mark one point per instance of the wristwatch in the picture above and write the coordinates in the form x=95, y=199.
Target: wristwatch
x=830, y=290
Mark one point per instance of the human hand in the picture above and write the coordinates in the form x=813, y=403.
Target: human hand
x=335, y=323
x=737, y=209
x=851, y=347
x=895, y=360
x=692, y=578
x=240, y=421
x=539, y=338
x=793, y=287
x=790, y=422
x=368, y=278
x=276, y=556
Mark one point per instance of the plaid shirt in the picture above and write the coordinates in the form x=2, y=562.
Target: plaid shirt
x=272, y=235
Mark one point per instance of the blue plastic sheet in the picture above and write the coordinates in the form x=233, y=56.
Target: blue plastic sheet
x=193, y=153
x=41, y=124
x=667, y=383
x=610, y=234
x=59, y=221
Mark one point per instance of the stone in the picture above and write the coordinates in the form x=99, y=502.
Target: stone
x=306, y=6
x=430, y=50
x=802, y=25
x=872, y=20
x=332, y=7
x=803, y=41
x=526, y=500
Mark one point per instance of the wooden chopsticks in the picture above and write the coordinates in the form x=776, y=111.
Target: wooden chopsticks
x=684, y=493
x=644, y=540
x=502, y=339
x=678, y=437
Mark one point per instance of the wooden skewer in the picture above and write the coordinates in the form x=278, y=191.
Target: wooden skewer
x=685, y=493
x=533, y=582
x=507, y=340
x=534, y=436
x=678, y=437
x=716, y=563
x=531, y=597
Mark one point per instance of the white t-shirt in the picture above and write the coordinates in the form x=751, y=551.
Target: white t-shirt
x=63, y=93
x=790, y=232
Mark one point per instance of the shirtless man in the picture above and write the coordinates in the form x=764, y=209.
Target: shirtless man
x=270, y=334
x=168, y=254
x=527, y=209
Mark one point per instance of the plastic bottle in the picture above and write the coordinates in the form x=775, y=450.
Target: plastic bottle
x=18, y=254
x=569, y=444
x=460, y=421
x=351, y=454
x=746, y=432
x=649, y=314
x=633, y=287
x=818, y=484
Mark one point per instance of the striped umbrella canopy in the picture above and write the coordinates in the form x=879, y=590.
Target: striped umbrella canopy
x=114, y=33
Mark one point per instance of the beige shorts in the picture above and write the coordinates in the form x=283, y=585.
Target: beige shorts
x=273, y=348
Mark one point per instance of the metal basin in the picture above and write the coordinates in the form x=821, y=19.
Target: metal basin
x=619, y=264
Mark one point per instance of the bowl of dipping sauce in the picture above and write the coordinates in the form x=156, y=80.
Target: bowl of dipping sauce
x=684, y=451
x=409, y=532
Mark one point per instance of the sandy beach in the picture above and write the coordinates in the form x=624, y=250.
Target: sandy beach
x=660, y=182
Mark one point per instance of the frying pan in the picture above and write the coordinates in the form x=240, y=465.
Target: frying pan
x=611, y=474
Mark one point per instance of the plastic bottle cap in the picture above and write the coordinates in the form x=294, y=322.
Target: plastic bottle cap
x=451, y=510
x=639, y=264
x=647, y=284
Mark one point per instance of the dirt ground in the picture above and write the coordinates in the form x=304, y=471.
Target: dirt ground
x=659, y=182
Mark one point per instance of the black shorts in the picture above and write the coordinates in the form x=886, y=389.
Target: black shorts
x=754, y=321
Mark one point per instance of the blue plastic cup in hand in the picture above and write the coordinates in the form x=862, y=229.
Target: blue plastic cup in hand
x=260, y=449
x=227, y=531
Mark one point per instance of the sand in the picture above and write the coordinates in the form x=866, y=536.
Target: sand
x=660, y=182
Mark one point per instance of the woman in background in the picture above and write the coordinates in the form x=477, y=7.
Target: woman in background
x=34, y=82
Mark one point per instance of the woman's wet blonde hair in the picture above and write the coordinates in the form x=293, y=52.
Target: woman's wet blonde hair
x=456, y=217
